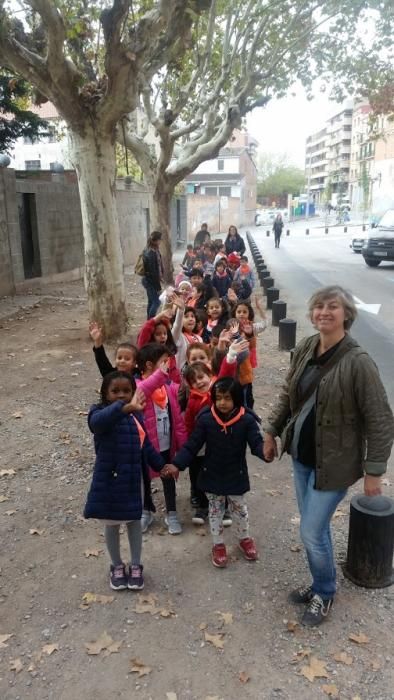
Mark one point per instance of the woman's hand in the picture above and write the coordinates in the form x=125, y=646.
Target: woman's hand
x=270, y=449
x=372, y=485
x=169, y=471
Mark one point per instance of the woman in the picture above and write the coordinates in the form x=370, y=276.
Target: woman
x=334, y=419
x=234, y=243
x=153, y=273
x=277, y=229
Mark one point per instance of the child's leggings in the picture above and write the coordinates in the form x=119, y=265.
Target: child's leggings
x=112, y=540
x=237, y=507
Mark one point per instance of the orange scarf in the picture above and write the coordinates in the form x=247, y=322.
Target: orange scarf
x=159, y=397
x=141, y=431
x=226, y=424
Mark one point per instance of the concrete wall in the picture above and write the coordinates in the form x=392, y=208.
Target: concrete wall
x=58, y=239
x=204, y=208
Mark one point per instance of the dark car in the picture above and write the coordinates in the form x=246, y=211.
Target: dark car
x=380, y=242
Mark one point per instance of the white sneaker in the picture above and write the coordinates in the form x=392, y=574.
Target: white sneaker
x=146, y=520
x=172, y=522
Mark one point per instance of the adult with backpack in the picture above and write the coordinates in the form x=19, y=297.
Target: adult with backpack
x=150, y=267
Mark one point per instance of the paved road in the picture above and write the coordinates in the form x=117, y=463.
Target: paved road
x=304, y=263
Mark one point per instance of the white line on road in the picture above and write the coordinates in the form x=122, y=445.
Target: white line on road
x=371, y=308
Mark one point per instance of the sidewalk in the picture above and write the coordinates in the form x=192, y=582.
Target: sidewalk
x=196, y=632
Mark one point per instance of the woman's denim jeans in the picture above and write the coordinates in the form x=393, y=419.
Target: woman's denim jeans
x=153, y=298
x=316, y=510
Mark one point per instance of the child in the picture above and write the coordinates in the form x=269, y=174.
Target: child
x=199, y=378
x=164, y=422
x=114, y=496
x=245, y=272
x=184, y=331
x=244, y=314
x=190, y=256
x=218, y=314
x=196, y=352
x=226, y=429
x=158, y=330
x=125, y=355
x=221, y=279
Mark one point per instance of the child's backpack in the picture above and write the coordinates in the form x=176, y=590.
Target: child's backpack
x=140, y=265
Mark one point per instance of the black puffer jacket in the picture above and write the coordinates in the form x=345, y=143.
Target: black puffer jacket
x=153, y=267
x=225, y=472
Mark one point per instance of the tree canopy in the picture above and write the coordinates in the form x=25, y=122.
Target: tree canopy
x=15, y=118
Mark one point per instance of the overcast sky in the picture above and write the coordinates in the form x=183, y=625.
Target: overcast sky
x=283, y=125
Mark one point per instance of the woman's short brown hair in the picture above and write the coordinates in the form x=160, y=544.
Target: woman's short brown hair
x=334, y=291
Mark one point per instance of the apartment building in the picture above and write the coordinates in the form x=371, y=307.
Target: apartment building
x=372, y=162
x=327, y=156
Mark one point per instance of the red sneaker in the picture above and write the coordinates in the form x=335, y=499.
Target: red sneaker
x=248, y=549
x=219, y=556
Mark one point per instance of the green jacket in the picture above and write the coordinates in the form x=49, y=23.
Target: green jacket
x=354, y=427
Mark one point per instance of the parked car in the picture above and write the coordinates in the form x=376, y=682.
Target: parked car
x=380, y=242
x=267, y=216
x=357, y=244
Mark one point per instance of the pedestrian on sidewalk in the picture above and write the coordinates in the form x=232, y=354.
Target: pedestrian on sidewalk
x=277, y=229
x=234, y=243
x=115, y=497
x=153, y=273
x=335, y=421
x=226, y=429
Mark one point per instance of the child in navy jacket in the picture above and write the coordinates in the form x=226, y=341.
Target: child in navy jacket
x=226, y=428
x=115, y=495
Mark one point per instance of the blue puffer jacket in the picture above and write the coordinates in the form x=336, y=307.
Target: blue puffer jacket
x=115, y=491
x=224, y=471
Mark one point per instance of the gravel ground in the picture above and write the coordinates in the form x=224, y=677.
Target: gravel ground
x=196, y=633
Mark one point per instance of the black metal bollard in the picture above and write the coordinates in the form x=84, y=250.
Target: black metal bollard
x=268, y=282
x=307, y=231
x=267, y=233
x=287, y=334
x=288, y=232
x=279, y=310
x=371, y=542
x=364, y=227
x=272, y=295
x=345, y=229
x=326, y=229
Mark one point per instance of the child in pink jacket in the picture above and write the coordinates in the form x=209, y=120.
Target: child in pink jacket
x=163, y=421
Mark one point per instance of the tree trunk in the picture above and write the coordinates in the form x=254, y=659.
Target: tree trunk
x=94, y=159
x=162, y=222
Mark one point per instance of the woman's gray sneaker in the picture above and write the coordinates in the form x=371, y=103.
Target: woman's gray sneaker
x=173, y=524
x=316, y=611
x=301, y=596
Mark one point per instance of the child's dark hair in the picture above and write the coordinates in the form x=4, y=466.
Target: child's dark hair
x=151, y=352
x=201, y=315
x=191, y=371
x=244, y=257
x=248, y=306
x=129, y=346
x=230, y=385
x=109, y=378
x=225, y=309
x=198, y=346
x=196, y=272
x=170, y=342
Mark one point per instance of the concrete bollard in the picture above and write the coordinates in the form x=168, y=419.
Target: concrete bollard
x=272, y=295
x=369, y=559
x=279, y=310
x=287, y=334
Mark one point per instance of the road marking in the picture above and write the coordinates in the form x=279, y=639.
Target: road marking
x=371, y=308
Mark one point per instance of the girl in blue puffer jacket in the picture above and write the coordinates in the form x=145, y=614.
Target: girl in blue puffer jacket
x=115, y=495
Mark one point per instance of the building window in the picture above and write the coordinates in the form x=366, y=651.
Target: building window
x=225, y=191
x=211, y=190
x=32, y=165
x=220, y=164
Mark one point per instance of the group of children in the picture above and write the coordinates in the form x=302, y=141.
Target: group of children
x=180, y=398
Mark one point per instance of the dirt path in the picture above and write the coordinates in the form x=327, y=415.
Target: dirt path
x=51, y=558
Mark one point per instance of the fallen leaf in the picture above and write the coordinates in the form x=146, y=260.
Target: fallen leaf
x=48, y=649
x=166, y=612
x=89, y=598
x=171, y=696
x=92, y=552
x=330, y=690
x=138, y=666
x=243, y=677
x=10, y=512
x=212, y=697
x=146, y=604
x=17, y=414
x=248, y=607
x=356, y=697
x=295, y=548
x=273, y=492
x=3, y=498
x=292, y=625
x=295, y=520
x=376, y=665
x=386, y=482
x=83, y=413
x=359, y=638
x=7, y=472
x=300, y=655
x=16, y=665
x=3, y=639
x=343, y=658
x=200, y=531
x=35, y=531
x=31, y=668
x=339, y=513
x=215, y=639
x=316, y=669
x=203, y=626
x=103, y=643
x=226, y=617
